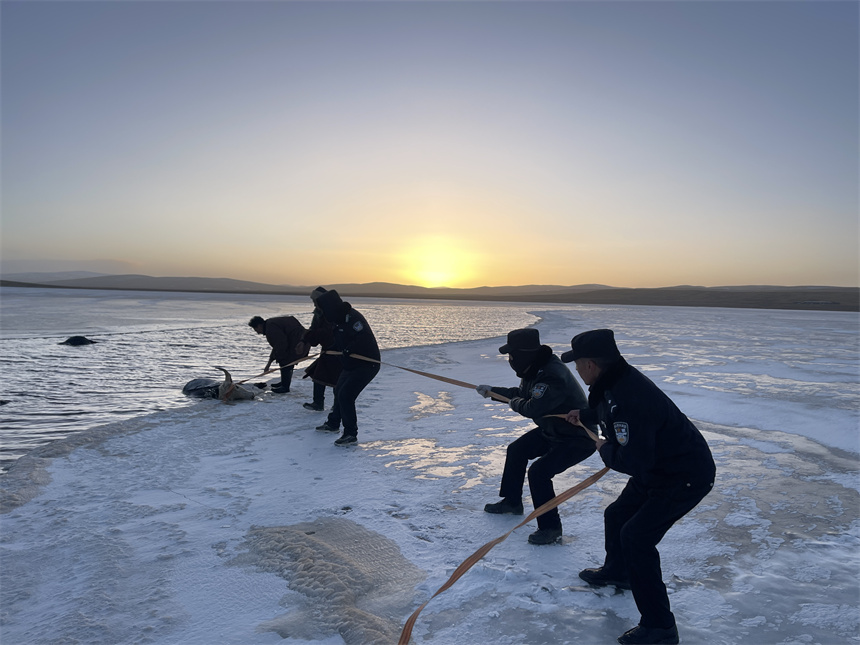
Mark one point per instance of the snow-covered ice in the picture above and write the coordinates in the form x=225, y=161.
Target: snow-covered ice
x=239, y=523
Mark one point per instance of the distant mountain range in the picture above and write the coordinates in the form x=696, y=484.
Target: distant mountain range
x=750, y=296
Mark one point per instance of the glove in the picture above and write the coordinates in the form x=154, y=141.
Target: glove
x=484, y=390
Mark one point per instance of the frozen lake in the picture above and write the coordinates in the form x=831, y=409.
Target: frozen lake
x=210, y=523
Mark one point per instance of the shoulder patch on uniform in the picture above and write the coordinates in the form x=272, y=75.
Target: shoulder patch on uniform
x=358, y=326
x=539, y=390
x=622, y=432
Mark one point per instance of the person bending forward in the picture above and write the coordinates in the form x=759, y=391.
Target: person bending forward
x=284, y=334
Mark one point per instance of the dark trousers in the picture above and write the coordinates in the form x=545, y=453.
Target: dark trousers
x=319, y=393
x=552, y=457
x=286, y=376
x=634, y=525
x=349, y=385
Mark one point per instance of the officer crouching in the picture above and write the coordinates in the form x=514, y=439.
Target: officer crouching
x=671, y=470
x=546, y=388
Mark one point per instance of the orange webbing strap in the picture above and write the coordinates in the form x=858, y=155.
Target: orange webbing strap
x=445, y=379
x=497, y=397
x=469, y=562
x=263, y=373
x=588, y=431
x=275, y=369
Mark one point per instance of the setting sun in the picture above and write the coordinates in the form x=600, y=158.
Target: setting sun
x=437, y=262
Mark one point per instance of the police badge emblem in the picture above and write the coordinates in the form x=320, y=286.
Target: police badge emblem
x=622, y=432
x=539, y=390
x=358, y=326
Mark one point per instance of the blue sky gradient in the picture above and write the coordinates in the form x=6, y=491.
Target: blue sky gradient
x=434, y=143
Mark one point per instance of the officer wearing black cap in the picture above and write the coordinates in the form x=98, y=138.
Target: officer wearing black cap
x=670, y=466
x=353, y=338
x=325, y=370
x=546, y=387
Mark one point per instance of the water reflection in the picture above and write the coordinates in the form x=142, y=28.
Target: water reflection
x=151, y=344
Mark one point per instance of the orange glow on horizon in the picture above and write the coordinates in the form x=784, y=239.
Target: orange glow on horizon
x=437, y=262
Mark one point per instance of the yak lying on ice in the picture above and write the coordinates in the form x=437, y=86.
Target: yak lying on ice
x=207, y=388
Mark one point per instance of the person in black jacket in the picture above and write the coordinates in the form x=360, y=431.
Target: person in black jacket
x=356, y=342
x=546, y=387
x=284, y=334
x=325, y=370
x=670, y=466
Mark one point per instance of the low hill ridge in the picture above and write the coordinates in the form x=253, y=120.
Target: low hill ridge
x=748, y=296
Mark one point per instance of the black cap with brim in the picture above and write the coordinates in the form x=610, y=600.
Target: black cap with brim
x=598, y=343
x=522, y=340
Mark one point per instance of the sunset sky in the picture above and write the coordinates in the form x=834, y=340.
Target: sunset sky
x=636, y=144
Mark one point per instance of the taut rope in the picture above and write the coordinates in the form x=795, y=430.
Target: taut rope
x=263, y=373
x=469, y=562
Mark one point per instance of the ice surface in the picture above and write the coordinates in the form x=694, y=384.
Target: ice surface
x=356, y=581
x=194, y=526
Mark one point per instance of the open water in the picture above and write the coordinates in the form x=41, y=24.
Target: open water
x=149, y=344
x=765, y=369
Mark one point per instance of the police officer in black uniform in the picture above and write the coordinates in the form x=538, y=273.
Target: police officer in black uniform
x=325, y=370
x=671, y=470
x=546, y=387
x=352, y=336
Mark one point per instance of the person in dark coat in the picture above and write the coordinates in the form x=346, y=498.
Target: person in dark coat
x=546, y=387
x=353, y=338
x=325, y=370
x=671, y=470
x=284, y=334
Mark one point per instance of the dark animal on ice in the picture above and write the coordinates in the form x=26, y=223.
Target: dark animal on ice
x=207, y=388
x=77, y=340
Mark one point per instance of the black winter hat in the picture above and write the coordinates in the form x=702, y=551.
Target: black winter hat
x=598, y=343
x=330, y=304
x=522, y=340
x=316, y=293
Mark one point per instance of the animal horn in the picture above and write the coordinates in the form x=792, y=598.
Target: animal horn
x=227, y=378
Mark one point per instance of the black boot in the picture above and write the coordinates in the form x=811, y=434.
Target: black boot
x=650, y=636
x=546, y=536
x=602, y=578
x=507, y=506
x=346, y=440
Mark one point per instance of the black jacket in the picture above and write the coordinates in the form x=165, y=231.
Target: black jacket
x=647, y=436
x=325, y=369
x=352, y=334
x=548, y=387
x=283, y=333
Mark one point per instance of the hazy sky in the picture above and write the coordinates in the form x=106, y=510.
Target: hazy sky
x=433, y=143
